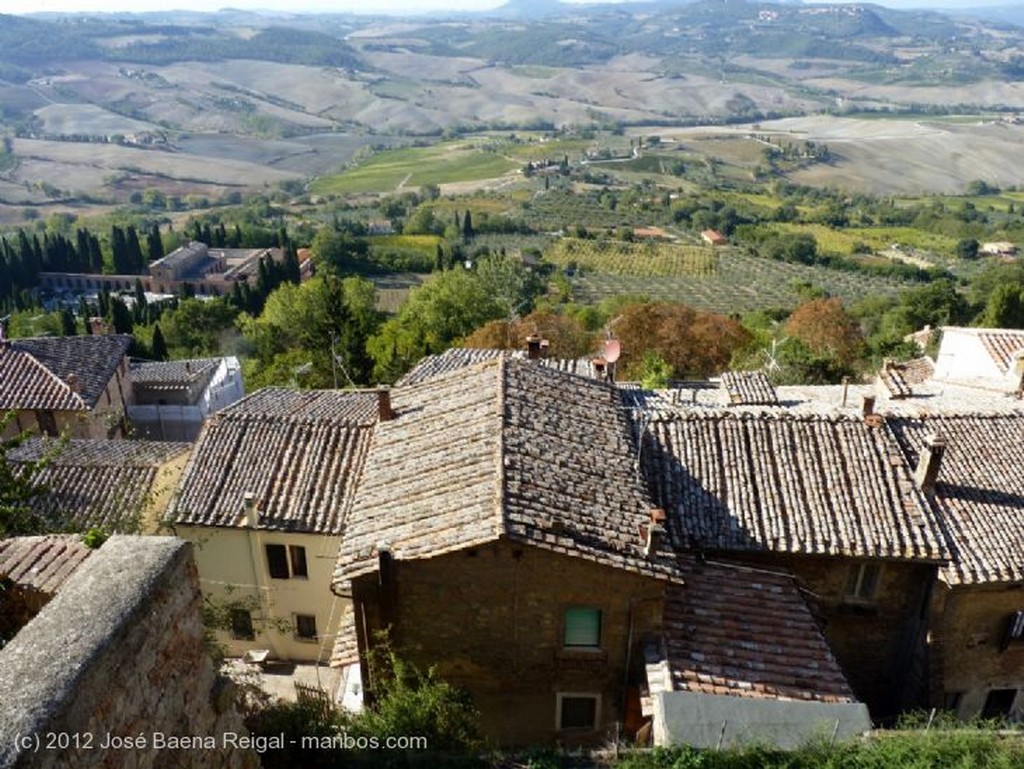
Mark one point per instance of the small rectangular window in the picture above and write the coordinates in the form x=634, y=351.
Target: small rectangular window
x=241, y=625
x=297, y=555
x=583, y=627
x=305, y=627
x=863, y=581
x=577, y=711
x=277, y=561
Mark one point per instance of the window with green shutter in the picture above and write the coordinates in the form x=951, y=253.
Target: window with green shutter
x=582, y=627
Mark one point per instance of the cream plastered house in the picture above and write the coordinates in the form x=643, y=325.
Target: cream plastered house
x=263, y=497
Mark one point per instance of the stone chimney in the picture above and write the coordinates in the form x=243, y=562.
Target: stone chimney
x=929, y=463
x=600, y=368
x=533, y=343
x=545, y=348
x=384, y=411
x=73, y=383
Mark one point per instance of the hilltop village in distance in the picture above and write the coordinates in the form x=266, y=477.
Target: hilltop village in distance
x=554, y=385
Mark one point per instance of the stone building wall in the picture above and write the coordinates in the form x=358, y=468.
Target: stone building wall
x=490, y=619
x=969, y=659
x=115, y=666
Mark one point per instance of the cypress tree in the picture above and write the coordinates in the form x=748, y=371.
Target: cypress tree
x=159, y=350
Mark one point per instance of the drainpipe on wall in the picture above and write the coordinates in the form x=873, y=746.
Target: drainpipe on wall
x=252, y=520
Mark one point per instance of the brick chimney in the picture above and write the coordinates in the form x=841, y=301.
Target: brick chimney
x=533, y=343
x=929, y=463
x=384, y=411
x=869, y=406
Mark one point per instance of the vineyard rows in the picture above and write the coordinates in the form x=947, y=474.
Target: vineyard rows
x=742, y=283
x=648, y=259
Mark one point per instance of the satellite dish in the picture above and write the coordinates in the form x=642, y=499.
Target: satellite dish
x=612, y=350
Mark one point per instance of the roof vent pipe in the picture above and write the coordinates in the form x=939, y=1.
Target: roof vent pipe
x=252, y=516
x=929, y=463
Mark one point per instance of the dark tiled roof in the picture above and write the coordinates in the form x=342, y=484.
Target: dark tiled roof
x=459, y=357
x=67, y=373
x=96, y=483
x=772, y=481
x=503, y=448
x=342, y=407
x=1002, y=345
x=172, y=374
x=747, y=633
x=299, y=452
x=41, y=563
x=749, y=388
x=979, y=494
x=346, y=644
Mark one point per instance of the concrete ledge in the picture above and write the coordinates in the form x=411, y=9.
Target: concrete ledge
x=41, y=668
x=707, y=720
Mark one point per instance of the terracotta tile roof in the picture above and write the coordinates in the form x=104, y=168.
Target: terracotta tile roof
x=96, y=483
x=736, y=631
x=299, y=452
x=979, y=495
x=749, y=388
x=352, y=407
x=918, y=370
x=41, y=563
x=774, y=481
x=459, y=357
x=58, y=373
x=346, y=645
x=172, y=374
x=1002, y=345
x=891, y=378
x=505, y=448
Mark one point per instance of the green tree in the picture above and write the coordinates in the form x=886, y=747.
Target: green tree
x=339, y=252
x=967, y=248
x=325, y=322
x=68, y=327
x=199, y=327
x=158, y=348
x=18, y=488
x=447, y=307
x=1005, y=307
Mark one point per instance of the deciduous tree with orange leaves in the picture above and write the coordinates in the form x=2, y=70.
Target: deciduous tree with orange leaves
x=832, y=343
x=693, y=343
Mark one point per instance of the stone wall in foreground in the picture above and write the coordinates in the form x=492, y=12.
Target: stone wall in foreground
x=114, y=672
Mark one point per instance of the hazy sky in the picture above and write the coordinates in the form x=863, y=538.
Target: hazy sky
x=31, y=6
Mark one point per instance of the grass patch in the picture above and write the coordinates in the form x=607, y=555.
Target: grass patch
x=424, y=243
x=937, y=749
x=415, y=166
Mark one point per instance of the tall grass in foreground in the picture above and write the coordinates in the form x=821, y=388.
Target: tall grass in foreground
x=965, y=748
